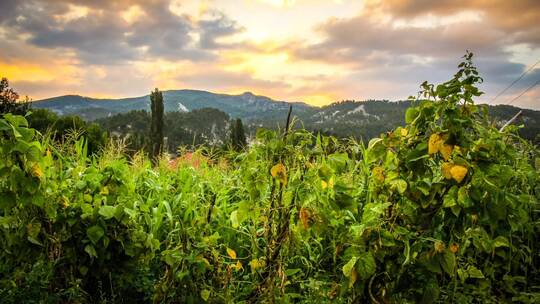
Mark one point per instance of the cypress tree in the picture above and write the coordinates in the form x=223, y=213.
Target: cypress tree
x=238, y=137
x=156, y=127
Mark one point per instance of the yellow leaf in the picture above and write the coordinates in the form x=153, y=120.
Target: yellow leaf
x=378, y=173
x=458, y=173
x=439, y=246
x=404, y=132
x=354, y=277
x=256, y=264
x=36, y=171
x=446, y=151
x=279, y=172
x=446, y=170
x=434, y=143
x=65, y=202
x=304, y=217
x=231, y=253
x=238, y=266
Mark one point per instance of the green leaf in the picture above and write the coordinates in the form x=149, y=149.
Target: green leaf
x=400, y=185
x=95, y=233
x=205, y=294
x=501, y=241
x=91, y=251
x=411, y=114
x=347, y=268
x=234, y=219
x=107, y=211
x=366, y=266
x=448, y=262
x=475, y=273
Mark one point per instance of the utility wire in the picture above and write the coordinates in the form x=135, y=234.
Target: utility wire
x=514, y=82
x=525, y=91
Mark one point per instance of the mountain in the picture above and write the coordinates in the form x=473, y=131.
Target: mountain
x=360, y=119
x=246, y=106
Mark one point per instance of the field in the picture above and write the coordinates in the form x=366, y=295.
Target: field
x=443, y=209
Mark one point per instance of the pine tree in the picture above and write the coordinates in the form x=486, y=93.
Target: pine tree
x=156, y=127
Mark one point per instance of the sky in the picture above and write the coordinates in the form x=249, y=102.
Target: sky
x=315, y=51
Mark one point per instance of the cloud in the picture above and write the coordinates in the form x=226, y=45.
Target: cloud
x=100, y=35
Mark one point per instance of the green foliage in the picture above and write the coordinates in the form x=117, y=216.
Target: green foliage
x=9, y=100
x=444, y=209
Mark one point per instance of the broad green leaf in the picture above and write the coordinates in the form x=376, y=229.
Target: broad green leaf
x=205, y=294
x=411, y=114
x=475, y=273
x=91, y=251
x=107, y=211
x=95, y=233
x=365, y=265
x=400, y=185
x=347, y=268
x=448, y=262
x=234, y=219
x=501, y=241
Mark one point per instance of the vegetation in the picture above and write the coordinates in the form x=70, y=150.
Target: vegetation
x=442, y=209
x=9, y=100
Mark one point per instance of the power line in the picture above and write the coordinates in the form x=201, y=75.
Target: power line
x=514, y=82
x=526, y=90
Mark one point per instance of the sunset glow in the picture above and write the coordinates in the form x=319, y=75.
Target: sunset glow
x=314, y=51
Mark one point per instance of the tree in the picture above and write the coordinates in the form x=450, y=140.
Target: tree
x=9, y=100
x=238, y=137
x=156, y=127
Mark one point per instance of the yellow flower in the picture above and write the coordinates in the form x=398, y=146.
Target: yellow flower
x=279, y=172
x=458, y=173
x=446, y=151
x=238, y=266
x=231, y=253
x=331, y=183
x=446, y=167
x=324, y=184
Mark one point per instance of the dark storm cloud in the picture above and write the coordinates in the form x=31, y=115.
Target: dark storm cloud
x=102, y=36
